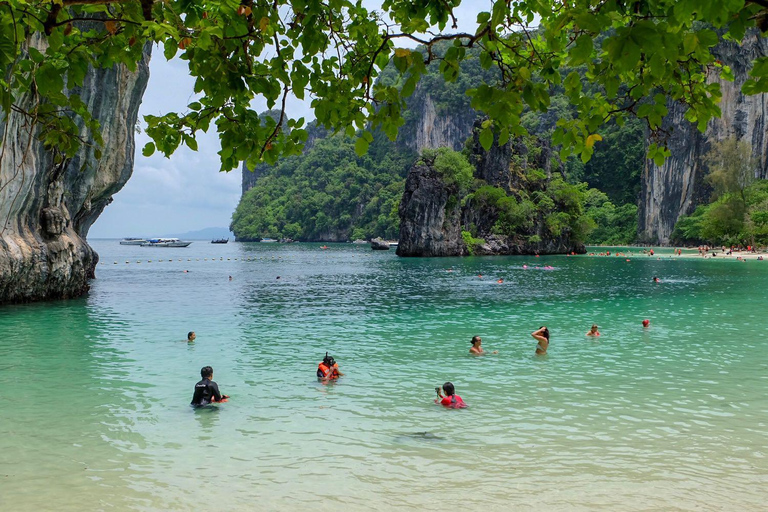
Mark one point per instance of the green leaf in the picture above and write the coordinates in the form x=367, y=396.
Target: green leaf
x=49, y=80
x=35, y=55
x=149, y=149
x=486, y=138
x=582, y=50
x=191, y=142
x=361, y=146
x=503, y=136
x=169, y=48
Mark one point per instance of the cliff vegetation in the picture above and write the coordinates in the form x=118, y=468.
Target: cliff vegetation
x=331, y=194
x=328, y=194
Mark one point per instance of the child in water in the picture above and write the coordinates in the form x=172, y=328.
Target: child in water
x=477, y=349
x=593, y=331
x=451, y=399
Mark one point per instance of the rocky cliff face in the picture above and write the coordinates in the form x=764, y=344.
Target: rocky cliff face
x=46, y=209
x=429, y=225
x=433, y=214
x=677, y=187
x=429, y=127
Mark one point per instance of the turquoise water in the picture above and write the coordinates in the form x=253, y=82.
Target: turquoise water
x=95, y=415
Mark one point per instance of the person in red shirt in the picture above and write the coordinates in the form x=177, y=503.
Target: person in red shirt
x=451, y=399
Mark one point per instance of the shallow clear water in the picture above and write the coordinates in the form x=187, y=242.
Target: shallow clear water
x=94, y=411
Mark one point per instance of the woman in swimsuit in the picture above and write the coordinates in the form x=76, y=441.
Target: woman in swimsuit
x=593, y=331
x=542, y=336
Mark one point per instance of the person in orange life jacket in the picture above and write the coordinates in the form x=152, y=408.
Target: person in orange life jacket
x=328, y=369
x=451, y=399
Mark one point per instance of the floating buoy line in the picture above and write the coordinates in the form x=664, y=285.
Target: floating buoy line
x=128, y=262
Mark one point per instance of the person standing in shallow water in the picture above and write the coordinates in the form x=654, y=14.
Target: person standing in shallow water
x=451, y=399
x=206, y=391
x=477, y=348
x=191, y=336
x=593, y=331
x=542, y=336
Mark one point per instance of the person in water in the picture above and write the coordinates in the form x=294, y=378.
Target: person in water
x=451, y=399
x=542, y=336
x=328, y=369
x=207, y=391
x=477, y=348
x=191, y=336
x=593, y=331
x=656, y=279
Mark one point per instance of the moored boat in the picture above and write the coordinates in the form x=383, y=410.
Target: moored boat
x=133, y=241
x=220, y=241
x=165, y=242
x=268, y=240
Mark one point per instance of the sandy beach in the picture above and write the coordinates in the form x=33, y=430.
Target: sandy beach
x=663, y=253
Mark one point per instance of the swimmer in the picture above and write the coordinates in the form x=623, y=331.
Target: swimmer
x=646, y=323
x=542, y=336
x=593, y=331
x=451, y=399
x=328, y=369
x=500, y=281
x=207, y=391
x=656, y=279
x=477, y=349
x=191, y=336
x=230, y=278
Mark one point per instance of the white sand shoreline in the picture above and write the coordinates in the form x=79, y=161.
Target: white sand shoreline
x=686, y=254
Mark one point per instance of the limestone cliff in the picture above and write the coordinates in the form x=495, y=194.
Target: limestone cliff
x=677, y=187
x=434, y=213
x=47, y=208
x=429, y=125
x=430, y=216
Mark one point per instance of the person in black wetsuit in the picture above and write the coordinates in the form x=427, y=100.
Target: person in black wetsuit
x=207, y=391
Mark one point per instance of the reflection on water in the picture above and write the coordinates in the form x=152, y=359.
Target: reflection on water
x=668, y=417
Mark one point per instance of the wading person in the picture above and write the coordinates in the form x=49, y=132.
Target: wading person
x=207, y=391
x=451, y=399
x=328, y=369
x=542, y=336
x=477, y=349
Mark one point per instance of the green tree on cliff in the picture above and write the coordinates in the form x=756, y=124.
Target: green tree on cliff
x=650, y=51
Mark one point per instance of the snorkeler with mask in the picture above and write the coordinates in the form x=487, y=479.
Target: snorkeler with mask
x=328, y=369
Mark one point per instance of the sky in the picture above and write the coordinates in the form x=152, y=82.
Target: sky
x=186, y=192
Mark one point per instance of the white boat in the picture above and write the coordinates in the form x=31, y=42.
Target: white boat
x=165, y=242
x=133, y=241
x=268, y=240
